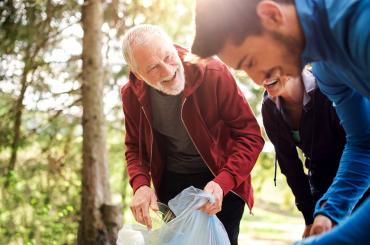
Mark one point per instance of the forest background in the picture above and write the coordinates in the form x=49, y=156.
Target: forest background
x=62, y=168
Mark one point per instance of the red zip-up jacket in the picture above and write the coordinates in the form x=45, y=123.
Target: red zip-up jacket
x=217, y=117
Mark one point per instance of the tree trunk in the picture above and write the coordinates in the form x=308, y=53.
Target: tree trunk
x=95, y=184
x=18, y=112
x=112, y=216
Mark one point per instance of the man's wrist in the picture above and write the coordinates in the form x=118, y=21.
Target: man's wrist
x=140, y=181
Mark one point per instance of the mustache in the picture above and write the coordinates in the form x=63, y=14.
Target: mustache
x=168, y=78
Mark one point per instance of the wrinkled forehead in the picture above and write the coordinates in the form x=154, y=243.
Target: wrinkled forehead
x=152, y=50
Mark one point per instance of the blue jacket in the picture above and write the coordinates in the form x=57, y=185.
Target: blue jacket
x=352, y=231
x=337, y=34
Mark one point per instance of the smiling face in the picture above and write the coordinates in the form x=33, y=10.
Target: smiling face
x=265, y=58
x=273, y=51
x=285, y=86
x=159, y=65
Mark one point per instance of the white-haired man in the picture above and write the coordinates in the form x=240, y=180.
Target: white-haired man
x=187, y=124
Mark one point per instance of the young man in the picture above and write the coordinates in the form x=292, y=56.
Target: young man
x=269, y=39
x=187, y=124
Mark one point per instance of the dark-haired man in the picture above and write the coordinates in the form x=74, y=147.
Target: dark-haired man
x=269, y=39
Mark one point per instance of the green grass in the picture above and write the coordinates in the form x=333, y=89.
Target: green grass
x=271, y=223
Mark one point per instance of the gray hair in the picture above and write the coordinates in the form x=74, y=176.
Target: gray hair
x=139, y=35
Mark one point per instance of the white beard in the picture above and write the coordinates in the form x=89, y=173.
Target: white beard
x=176, y=88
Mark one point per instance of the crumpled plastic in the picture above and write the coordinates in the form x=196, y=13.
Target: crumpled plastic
x=191, y=226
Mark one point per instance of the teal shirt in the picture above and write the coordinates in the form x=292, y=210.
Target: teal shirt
x=337, y=34
x=296, y=136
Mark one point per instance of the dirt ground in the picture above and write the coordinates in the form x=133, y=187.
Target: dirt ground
x=245, y=240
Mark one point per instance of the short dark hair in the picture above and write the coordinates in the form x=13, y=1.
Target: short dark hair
x=217, y=21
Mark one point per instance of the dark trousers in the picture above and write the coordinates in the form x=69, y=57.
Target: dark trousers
x=232, y=205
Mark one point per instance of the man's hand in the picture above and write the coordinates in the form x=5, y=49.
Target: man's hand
x=215, y=189
x=320, y=225
x=307, y=231
x=144, y=198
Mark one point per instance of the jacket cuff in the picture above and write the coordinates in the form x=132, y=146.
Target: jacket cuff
x=329, y=210
x=139, y=181
x=225, y=180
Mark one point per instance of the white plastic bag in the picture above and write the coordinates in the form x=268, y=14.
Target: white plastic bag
x=191, y=226
x=131, y=234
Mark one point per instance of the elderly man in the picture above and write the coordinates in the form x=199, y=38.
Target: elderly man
x=187, y=124
x=270, y=39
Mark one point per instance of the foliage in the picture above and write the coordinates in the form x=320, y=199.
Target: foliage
x=41, y=42
x=40, y=206
x=6, y=133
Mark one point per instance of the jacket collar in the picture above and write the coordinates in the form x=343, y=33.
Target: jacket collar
x=194, y=72
x=309, y=83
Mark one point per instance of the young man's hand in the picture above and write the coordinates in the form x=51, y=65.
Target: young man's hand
x=144, y=198
x=306, y=232
x=215, y=189
x=321, y=224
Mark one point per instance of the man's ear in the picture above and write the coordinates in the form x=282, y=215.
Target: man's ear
x=271, y=15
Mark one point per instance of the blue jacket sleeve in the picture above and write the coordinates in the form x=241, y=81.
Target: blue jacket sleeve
x=352, y=231
x=353, y=176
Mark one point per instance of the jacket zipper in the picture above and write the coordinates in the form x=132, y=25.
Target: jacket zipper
x=151, y=138
x=214, y=175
